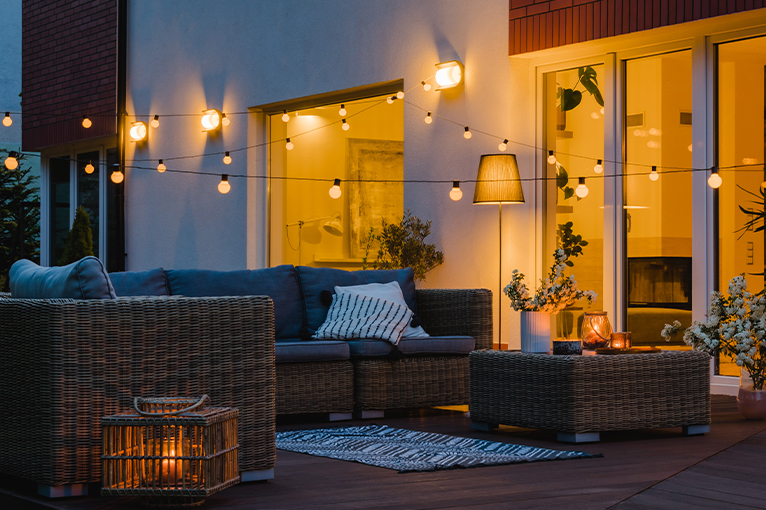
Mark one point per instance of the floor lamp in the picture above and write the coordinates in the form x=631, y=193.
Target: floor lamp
x=498, y=182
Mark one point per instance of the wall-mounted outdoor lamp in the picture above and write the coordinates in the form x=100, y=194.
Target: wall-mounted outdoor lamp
x=138, y=131
x=449, y=74
x=211, y=120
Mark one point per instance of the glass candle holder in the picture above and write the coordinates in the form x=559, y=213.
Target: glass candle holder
x=620, y=340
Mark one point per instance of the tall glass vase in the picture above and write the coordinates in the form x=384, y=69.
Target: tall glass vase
x=535, y=332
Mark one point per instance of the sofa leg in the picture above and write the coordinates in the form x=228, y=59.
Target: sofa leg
x=368, y=414
x=694, y=430
x=256, y=476
x=339, y=416
x=62, y=491
x=483, y=426
x=586, y=437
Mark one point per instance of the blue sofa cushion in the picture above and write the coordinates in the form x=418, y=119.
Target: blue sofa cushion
x=278, y=283
x=153, y=282
x=412, y=346
x=85, y=279
x=313, y=280
x=294, y=350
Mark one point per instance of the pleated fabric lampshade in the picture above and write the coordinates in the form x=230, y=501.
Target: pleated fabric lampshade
x=498, y=180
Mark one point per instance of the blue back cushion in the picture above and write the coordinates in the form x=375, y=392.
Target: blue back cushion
x=276, y=282
x=84, y=279
x=153, y=282
x=313, y=280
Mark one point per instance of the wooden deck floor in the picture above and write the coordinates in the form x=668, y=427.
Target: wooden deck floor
x=652, y=469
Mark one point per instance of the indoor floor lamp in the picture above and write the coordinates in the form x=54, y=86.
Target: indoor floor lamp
x=498, y=182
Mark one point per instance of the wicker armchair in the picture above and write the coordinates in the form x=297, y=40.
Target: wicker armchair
x=67, y=363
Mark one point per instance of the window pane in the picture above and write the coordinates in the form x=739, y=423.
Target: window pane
x=59, y=185
x=575, y=134
x=741, y=141
x=87, y=191
x=658, y=208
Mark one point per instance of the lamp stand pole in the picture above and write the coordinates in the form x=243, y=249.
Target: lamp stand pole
x=500, y=279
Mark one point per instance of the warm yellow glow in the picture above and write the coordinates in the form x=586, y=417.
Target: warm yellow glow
x=449, y=74
x=400, y=95
x=428, y=118
x=155, y=123
x=654, y=175
x=598, y=167
x=227, y=159
x=345, y=125
x=390, y=99
x=89, y=168
x=225, y=120
x=138, y=131
x=342, y=111
x=551, y=158
x=467, y=135
x=426, y=86
x=714, y=181
x=86, y=123
x=335, y=191
x=161, y=167
x=224, y=186
x=289, y=145
x=285, y=116
x=581, y=190
x=11, y=162
x=117, y=177
x=211, y=119
x=456, y=193
x=7, y=121
x=502, y=145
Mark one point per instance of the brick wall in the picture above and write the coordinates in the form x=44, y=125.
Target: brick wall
x=541, y=24
x=69, y=68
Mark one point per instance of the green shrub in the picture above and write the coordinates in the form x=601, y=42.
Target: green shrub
x=79, y=241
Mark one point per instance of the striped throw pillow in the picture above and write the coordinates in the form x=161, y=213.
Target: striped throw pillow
x=356, y=316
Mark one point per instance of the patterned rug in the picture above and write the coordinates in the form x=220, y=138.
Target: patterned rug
x=409, y=450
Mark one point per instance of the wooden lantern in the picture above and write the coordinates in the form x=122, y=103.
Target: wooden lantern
x=169, y=450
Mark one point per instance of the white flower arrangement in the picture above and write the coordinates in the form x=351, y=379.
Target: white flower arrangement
x=670, y=330
x=554, y=293
x=736, y=326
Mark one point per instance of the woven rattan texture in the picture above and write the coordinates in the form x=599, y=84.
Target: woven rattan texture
x=322, y=387
x=577, y=394
x=410, y=382
x=68, y=364
x=447, y=312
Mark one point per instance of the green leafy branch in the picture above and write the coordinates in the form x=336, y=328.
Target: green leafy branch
x=568, y=99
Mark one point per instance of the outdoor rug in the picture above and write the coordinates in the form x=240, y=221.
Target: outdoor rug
x=410, y=450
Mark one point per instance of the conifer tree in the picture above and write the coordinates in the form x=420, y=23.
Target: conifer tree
x=79, y=241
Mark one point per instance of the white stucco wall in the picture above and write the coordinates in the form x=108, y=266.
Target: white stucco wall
x=184, y=57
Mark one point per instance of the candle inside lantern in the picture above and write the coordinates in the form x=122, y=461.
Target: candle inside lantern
x=620, y=340
x=169, y=470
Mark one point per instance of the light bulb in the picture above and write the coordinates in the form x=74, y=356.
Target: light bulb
x=89, y=168
x=467, y=135
x=581, y=190
x=345, y=125
x=11, y=162
x=456, y=194
x=400, y=95
x=161, y=167
x=714, y=181
x=654, y=175
x=342, y=111
x=86, y=123
x=335, y=191
x=225, y=120
x=426, y=86
x=138, y=131
x=7, y=120
x=551, y=158
x=503, y=145
x=211, y=119
x=598, y=167
x=449, y=74
x=227, y=159
x=224, y=186
x=285, y=116
x=289, y=145
x=117, y=177
x=428, y=118
x=155, y=123
x=390, y=99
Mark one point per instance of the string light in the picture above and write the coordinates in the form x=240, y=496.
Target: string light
x=7, y=120
x=155, y=123
x=138, y=131
x=456, y=194
x=345, y=125
x=581, y=190
x=224, y=120
x=289, y=145
x=714, y=181
x=227, y=159
x=400, y=94
x=503, y=145
x=551, y=158
x=654, y=175
x=161, y=167
x=211, y=119
x=342, y=111
x=11, y=162
x=467, y=135
x=224, y=186
x=89, y=168
x=599, y=167
x=390, y=99
x=335, y=191
x=117, y=176
x=428, y=118
x=285, y=116
x=426, y=86
x=86, y=123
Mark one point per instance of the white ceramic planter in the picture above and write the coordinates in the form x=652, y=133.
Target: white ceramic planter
x=535, y=332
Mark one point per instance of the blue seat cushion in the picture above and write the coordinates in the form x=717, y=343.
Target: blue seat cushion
x=294, y=350
x=153, y=282
x=314, y=280
x=278, y=283
x=85, y=279
x=413, y=346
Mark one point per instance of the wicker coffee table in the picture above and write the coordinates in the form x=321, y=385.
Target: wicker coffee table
x=581, y=396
